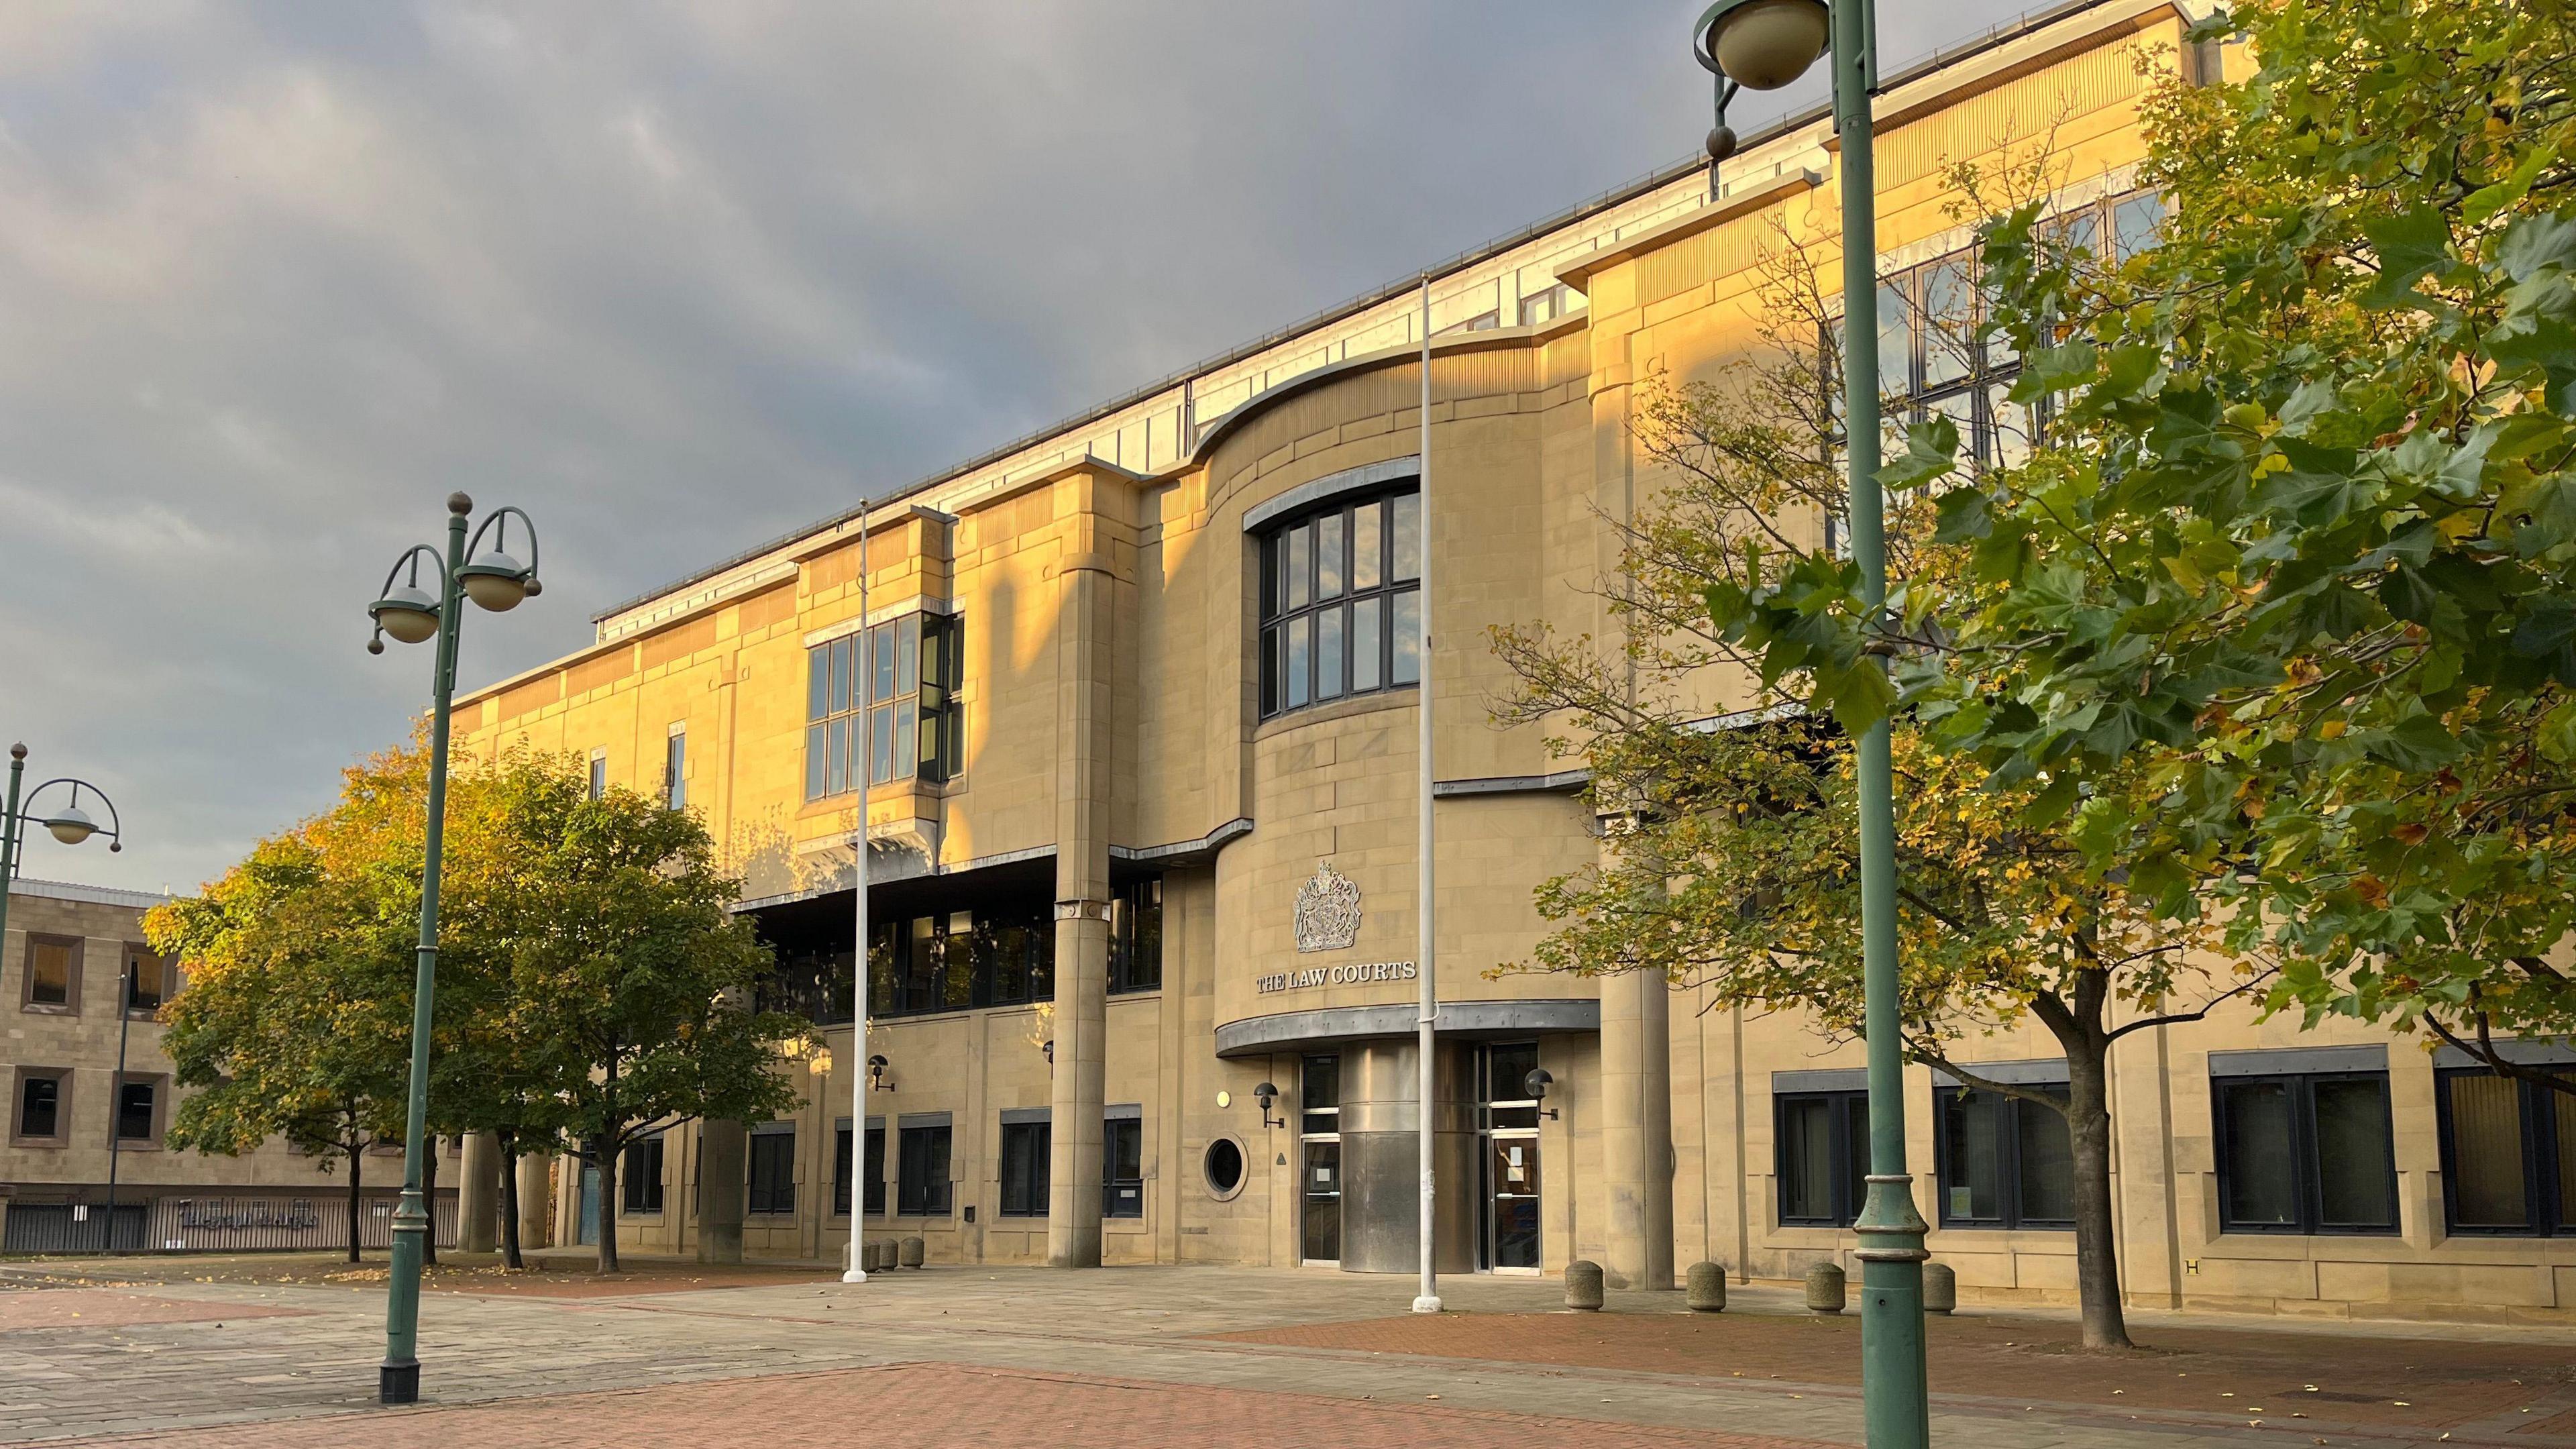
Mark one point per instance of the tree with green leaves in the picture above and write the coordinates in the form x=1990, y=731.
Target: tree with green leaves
x=296, y=1020
x=628, y=975
x=1734, y=865
x=2299, y=546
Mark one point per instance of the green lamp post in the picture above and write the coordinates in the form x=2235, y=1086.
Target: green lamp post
x=1763, y=45
x=493, y=580
x=71, y=825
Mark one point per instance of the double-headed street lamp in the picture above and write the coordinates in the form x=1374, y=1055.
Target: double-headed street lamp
x=1763, y=45
x=496, y=580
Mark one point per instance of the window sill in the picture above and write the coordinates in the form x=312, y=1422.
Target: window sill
x=1401, y=696
x=41, y=1144
x=47, y=1008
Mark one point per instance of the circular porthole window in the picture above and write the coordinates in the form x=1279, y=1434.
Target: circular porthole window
x=1223, y=1166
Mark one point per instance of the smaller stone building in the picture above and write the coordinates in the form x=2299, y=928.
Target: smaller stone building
x=81, y=991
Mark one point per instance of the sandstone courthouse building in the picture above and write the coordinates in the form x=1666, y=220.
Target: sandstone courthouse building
x=1142, y=695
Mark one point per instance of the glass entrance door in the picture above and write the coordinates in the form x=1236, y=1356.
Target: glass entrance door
x=1507, y=1121
x=1319, y=1170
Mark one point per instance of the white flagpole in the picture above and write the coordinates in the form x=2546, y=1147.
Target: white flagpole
x=859, y=955
x=1429, y=1299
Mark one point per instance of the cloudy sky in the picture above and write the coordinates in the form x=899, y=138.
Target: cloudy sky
x=674, y=277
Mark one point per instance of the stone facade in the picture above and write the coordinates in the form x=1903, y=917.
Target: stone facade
x=1110, y=580
x=56, y=1183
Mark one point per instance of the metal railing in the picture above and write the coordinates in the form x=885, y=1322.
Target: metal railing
x=209, y=1224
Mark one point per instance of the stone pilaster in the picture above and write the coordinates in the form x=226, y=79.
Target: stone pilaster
x=724, y=1187
x=1093, y=510
x=478, y=1194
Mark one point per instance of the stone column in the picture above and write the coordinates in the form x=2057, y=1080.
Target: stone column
x=1637, y=1128
x=1086, y=701
x=478, y=1195
x=536, y=1225
x=724, y=1187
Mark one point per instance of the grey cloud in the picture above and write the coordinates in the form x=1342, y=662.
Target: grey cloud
x=674, y=277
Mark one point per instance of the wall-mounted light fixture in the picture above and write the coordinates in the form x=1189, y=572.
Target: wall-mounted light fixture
x=877, y=1074
x=1049, y=1048
x=1536, y=1084
x=1267, y=1093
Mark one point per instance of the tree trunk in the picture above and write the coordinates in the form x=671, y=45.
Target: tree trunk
x=429, y=1202
x=2088, y=1123
x=357, y=1155
x=510, y=1201
x=607, y=1206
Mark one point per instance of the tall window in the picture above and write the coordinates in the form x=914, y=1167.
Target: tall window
x=1820, y=1153
x=956, y=960
x=2004, y=1162
x=874, y=1167
x=2508, y=1154
x=1122, y=1168
x=922, y=1187
x=2307, y=1152
x=639, y=1177
x=1319, y=1132
x=136, y=1117
x=1932, y=360
x=144, y=983
x=773, y=1168
x=40, y=1104
x=675, y=771
x=1136, y=936
x=598, y=775
x=1341, y=603
x=1025, y=1148
x=882, y=703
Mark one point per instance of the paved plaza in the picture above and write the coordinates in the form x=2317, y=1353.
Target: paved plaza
x=282, y=1352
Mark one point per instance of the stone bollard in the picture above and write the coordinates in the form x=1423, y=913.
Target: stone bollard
x=871, y=1257
x=912, y=1251
x=1707, y=1288
x=1824, y=1289
x=1583, y=1285
x=1940, y=1288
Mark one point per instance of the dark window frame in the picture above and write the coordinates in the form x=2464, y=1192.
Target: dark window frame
x=164, y=980
x=74, y=970
x=1278, y=614
x=926, y=1193
x=2008, y=1157
x=1025, y=1184
x=598, y=775
x=1847, y=1134
x=639, y=1177
x=1122, y=1193
x=157, y=1109
x=675, y=771
x=1136, y=936
x=872, y=1165
x=774, y=1197
x=2536, y=1115
x=900, y=677
x=2306, y=1181
x=61, y=1136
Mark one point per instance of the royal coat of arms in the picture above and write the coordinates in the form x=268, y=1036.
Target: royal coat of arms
x=1328, y=910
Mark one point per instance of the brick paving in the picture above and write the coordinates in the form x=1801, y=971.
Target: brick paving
x=2342, y=1380
x=1029, y=1357
x=946, y=1404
